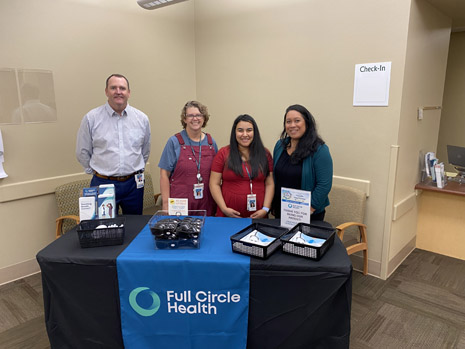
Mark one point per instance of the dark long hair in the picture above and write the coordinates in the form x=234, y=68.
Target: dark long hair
x=310, y=140
x=258, y=160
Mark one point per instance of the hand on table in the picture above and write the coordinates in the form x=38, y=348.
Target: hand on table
x=230, y=212
x=258, y=214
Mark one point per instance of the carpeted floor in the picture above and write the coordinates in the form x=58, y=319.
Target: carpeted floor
x=422, y=305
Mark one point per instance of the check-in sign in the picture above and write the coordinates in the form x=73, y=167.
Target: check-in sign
x=371, y=84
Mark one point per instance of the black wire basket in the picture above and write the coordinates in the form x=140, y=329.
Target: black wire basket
x=304, y=249
x=241, y=244
x=101, y=232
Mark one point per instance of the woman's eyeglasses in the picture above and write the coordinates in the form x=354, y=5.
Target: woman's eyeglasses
x=191, y=116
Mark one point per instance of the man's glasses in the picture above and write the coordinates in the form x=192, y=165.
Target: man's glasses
x=191, y=116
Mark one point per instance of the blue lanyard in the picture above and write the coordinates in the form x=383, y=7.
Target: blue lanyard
x=250, y=178
x=199, y=177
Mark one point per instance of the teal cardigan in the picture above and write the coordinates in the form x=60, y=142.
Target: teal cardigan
x=317, y=174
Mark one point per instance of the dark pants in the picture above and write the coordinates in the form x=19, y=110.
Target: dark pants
x=318, y=216
x=127, y=196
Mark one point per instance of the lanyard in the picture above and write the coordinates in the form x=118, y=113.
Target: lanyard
x=250, y=178
x=199, y=177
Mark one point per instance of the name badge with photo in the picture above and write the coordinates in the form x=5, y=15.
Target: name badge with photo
x=252, y=202
x=198, y=191
x=139, y=177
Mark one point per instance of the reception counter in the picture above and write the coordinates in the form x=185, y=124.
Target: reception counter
x=441, y=218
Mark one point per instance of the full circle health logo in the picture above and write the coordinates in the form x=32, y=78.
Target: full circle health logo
x=152, y=309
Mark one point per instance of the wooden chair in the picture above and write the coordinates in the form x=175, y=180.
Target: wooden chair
x=67, y=197
x=346, y=213
x=151, y=200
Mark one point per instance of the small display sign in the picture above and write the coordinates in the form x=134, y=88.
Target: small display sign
x=177, y=207
x=295, y=207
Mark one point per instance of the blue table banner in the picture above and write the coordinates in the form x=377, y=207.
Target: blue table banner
x=196, y=298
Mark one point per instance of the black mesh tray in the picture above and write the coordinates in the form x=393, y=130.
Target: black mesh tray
x=89, y=236
x=304, y=250
x=251, y=249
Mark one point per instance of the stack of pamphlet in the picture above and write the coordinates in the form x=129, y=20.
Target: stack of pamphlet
x=440, y=175
x=435, y=169
x=430, y=161
x=97, y=202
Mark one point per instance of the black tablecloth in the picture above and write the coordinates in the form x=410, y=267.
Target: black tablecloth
x=294, y=302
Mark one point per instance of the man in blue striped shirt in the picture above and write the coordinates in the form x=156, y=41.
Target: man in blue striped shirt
x=113, y=144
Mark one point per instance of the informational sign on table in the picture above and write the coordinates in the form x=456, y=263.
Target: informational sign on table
x=177, y=207
x=295, y=207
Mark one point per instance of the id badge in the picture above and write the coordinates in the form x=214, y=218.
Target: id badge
x=198, y=191
x=252, y=202
x=139, y=178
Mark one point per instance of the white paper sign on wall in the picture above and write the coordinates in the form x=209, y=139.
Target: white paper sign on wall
x=371, y=84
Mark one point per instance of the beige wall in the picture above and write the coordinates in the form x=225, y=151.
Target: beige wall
x=82, y=42
x=239, y=56
x=425, y=70
x=259, y=59
x=453, y=113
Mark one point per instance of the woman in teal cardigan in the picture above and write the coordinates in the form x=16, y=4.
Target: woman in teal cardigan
x=302, y=161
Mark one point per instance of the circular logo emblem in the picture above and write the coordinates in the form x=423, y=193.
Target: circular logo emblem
x=144, y=311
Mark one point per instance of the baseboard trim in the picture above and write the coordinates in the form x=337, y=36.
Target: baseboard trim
x=374, y=268
x=18, y=271
x=401, y=256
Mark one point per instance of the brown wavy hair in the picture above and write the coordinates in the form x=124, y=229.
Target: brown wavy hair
x=194, y=104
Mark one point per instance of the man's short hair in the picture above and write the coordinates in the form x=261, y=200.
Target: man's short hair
x=117, y=76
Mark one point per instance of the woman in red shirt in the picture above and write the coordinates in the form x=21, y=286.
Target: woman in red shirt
x=241, y=179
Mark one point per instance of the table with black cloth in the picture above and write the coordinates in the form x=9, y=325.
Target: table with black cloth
x=294, y=302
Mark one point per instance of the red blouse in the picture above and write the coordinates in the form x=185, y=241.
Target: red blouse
x=236, y=188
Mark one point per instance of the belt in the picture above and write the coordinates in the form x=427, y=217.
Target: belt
x=116, y=178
